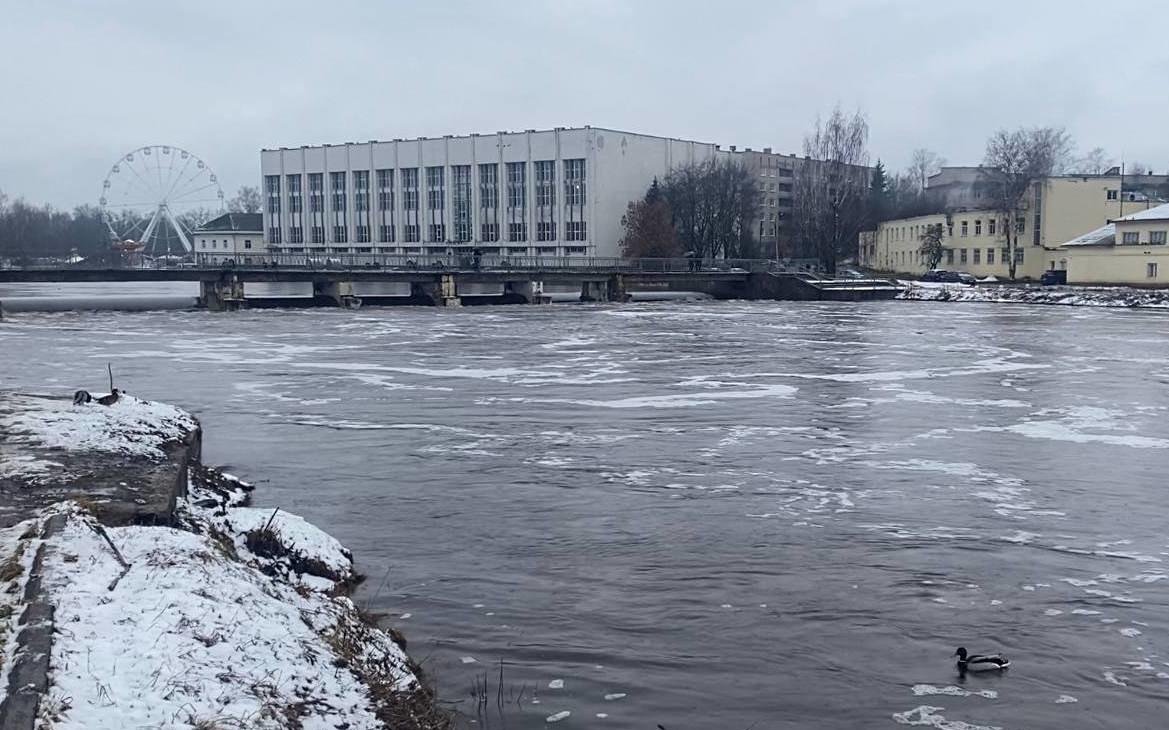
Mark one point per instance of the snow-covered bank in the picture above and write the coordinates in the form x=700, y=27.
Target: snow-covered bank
x=230, y=616
x=1072, y=296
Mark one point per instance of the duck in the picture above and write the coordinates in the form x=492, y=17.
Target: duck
x=81, y=397
x=980, y=662
x=109, y=400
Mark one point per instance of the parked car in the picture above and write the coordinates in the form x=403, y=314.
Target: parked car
x=949, y=277
x=935, y=275
x=1054, y=278
x=964, y=278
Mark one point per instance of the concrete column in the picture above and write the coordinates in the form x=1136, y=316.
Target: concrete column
x=616, y=289
x=594, y=291
x=223, y=295
x=448, y=292
x=339, y=293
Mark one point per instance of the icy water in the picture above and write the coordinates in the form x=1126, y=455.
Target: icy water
x=718, y=515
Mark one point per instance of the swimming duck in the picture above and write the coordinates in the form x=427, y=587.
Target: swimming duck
x=980, y=662
x=109, y=400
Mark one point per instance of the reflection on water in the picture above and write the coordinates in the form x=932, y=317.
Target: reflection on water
x=705, y=515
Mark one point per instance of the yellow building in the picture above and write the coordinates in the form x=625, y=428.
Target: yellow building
x=1129, y=251
x=1057, y=209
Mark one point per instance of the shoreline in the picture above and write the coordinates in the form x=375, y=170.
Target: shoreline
x=1108, y=297
x=223, y=613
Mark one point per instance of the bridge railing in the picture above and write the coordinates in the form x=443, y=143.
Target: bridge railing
x=499, y=262
x=459, y=261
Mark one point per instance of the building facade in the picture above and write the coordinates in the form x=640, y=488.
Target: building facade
x=1131, y=251
x=559, y=192
x=1056, y=210
x=234, y=237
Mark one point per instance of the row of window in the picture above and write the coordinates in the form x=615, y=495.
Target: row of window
x=1133, y=238
x=436, y=233
x=574, y=184
x=964, y=256
x=436, y=250
x=214, y=243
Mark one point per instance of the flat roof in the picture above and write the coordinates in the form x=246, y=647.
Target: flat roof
x=1157, y=213
x=1102, y=236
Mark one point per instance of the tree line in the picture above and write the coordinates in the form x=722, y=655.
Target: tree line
x=708, y=209
x=30, y=231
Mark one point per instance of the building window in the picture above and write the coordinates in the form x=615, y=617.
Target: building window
x=361, y=190
x=362, y=233
x=435, y=188
x=978, y=228
x=949, y=230
x=1131, y=237
x=1019, y=255
x=247, y=244
x=295, y=202
x=489, y=232
x=1151, y=270
x=411, y=233
x=949, y=257
x=316, y=192
x=437, y=233
x=337, y=186
x=272, y=184
x=516, y=194
x=574, y=182
x=489, y=185
x=1157, y=238
x=962, y=256
x=1113, y=194
x=296, y=234
x=574, y=231
x=410, y=188
x=273, y=236
x=977, y=255
x=1020, y=224
x=990, y=256
x=385, y=190
x=340, y=234
x=318, y=234
x=571, y=250
x=546, y=183
x=545, y=231
x=965, y=229
x=1006, y=255
x=990, y=226
x=517, y=232
x=461, y=201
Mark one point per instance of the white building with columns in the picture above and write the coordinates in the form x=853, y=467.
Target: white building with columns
x=557, y=192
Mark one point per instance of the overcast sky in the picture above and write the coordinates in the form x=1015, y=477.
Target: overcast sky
x=83, y=82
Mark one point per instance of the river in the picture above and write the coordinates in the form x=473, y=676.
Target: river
x=704, y=515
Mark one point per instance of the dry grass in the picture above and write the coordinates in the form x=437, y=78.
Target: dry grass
x=415, y=709
x=11, y=569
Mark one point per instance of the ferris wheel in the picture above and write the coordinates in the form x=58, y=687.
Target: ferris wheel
x=155, y=196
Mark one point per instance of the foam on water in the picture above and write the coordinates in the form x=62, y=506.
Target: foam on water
x=922, y=690
x=928, y=716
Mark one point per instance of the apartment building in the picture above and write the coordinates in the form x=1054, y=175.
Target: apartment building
x=1058, y=209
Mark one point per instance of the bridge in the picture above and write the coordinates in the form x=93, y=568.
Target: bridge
x=350, y=280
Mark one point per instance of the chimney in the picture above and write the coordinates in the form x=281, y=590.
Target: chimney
x=767, y=150
x=733, y=148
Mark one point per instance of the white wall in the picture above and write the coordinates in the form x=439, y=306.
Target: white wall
x=619, y=168
x=220, y=246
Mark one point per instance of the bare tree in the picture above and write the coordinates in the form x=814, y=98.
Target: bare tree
x=1014, y=164
x=1137, y=168
x=1095, y=162
x=713, y=204
x=923, y=165
x=247, y=200
x=832, y=188
x=649, y=229
x=931, y=248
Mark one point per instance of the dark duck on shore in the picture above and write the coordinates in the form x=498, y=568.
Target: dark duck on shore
x=109, y=400
x=980, y=662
